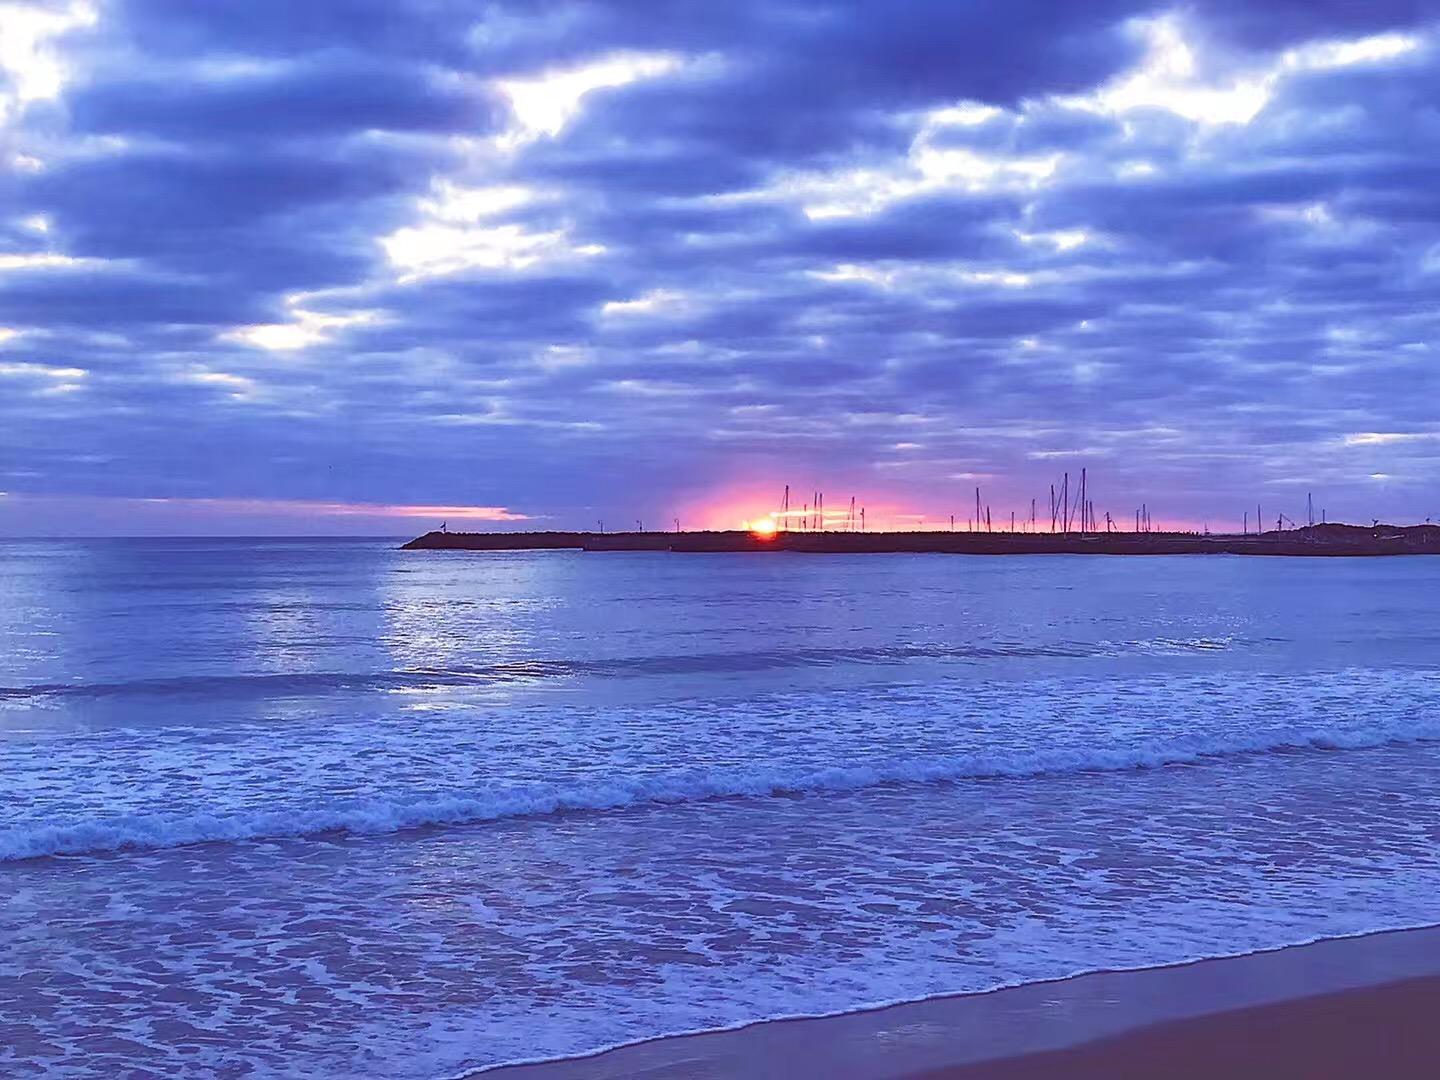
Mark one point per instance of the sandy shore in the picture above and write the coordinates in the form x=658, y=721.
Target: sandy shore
x=1383, y=1031
x=1362, y=1006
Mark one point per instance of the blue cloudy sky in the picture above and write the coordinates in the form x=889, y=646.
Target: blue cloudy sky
x=355, y=266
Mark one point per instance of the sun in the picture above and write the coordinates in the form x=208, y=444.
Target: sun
x=764, y=527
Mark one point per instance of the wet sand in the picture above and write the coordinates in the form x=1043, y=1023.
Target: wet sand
x=1384, y=1031
x=1363, y=1006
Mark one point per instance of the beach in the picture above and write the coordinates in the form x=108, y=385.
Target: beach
x=1379, y=1031
x=1362, y=1006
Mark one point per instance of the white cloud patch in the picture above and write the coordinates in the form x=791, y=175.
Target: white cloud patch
x=1327, y=55
x=542, y=105
x=927, y=169
x=304, y=328
x=41, y=371
x=1174, y=77
x=1389, y=438
x=234, y=387
x=453, y=202
x=651, y=303
x=427, y=250
x=1058, y=239
x=39, y=260
x=1170, y=77
x=34, y=70
x=45, y=380
x=456, y=233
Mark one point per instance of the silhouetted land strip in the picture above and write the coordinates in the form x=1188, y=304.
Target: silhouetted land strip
x=1314, y=540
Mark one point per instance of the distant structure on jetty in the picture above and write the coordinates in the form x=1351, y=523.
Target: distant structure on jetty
x=1311, y=540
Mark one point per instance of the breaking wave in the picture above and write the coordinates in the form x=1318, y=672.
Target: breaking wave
x=387, y=815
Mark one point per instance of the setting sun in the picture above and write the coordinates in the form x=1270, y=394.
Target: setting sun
x=763, y=527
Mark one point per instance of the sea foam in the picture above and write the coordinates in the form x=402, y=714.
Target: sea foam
x=389, y=815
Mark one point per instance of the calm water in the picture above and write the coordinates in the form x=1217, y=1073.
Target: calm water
x=325, y=808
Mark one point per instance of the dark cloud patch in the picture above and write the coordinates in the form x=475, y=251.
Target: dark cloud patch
x=424, y=29
x=630, y=173
x=128, y=196
x=746, y=115
x=484, y=317
x=1279, y=23
x=275, y=220
x=917, y=229
x=673, y=227
x=332, y=93
x=118, y=297
x=799, y=85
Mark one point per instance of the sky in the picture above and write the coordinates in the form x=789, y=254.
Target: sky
x=367, y=265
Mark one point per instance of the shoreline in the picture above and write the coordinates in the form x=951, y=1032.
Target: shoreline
x=1106, y=1021
x=1385, y=1031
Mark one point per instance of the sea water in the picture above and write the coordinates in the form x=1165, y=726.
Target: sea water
x=323, y=808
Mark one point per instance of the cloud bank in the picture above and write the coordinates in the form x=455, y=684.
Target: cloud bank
x=566, y=261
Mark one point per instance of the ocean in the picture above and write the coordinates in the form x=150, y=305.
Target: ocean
x=324, y=808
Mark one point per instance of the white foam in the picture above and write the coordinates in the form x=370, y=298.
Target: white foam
x=388, y=815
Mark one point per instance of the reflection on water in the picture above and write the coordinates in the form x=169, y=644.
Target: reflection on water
x=370, y=625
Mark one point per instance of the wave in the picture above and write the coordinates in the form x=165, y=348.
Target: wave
x=523, y=670
x=389, y=815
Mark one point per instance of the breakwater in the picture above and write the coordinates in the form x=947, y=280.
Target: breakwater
x=1316, y=540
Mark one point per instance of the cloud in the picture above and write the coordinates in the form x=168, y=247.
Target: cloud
x=333, y=93
x=338, y=509
x=586, y=258
x=1385, y=438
